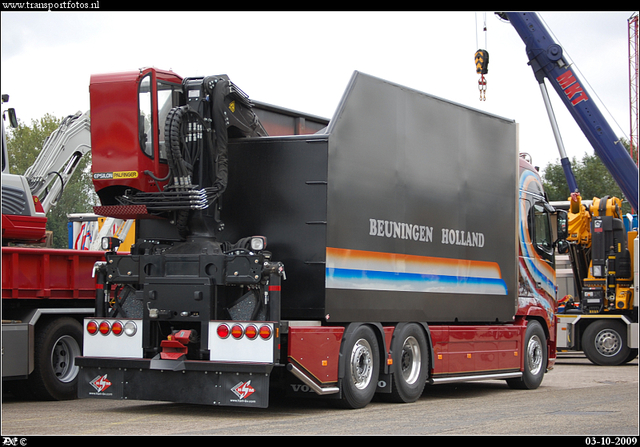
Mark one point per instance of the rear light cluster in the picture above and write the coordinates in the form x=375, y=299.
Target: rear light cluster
x=238, y=331
x=112, y=327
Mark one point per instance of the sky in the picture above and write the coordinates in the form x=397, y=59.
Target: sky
x=304, y=60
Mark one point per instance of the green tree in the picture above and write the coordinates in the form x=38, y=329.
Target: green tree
x=24, y=143
x=592, y=177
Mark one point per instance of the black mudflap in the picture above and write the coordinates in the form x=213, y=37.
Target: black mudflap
x=196, y=387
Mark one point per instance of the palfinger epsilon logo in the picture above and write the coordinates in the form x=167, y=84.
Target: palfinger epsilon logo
x=100, y=383
x=243, y=390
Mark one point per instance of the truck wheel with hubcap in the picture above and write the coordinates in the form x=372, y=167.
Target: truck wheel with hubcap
x=535, y=358
x=361, y=366
x=57, y=344
x=604, y=342
x=410, y=357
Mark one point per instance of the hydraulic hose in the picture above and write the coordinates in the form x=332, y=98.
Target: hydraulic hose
x=220, y=124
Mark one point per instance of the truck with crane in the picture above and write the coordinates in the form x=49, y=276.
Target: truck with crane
x=384, y=271
x=184, y=228
x=603, y=320
x=46, y=292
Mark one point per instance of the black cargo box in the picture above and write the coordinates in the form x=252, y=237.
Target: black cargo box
x=402, y=209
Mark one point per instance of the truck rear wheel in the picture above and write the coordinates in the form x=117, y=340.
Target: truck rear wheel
x=361, y=366
x=535, y=358
x=57, y=345
x=633, y=353
x=604, y=342
x=410, y=359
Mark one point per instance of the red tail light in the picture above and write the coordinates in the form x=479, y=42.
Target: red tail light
x=236, y=331
x=251, y=332
x=92, y=327
x=104, y=328
x=265, y=332
x=117, y=328
x=223, y=331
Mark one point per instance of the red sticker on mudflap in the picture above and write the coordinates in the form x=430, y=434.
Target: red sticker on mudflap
x=100, y=383
x=243, y=389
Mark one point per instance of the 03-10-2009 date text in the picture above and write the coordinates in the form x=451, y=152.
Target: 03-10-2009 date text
x=611, y=440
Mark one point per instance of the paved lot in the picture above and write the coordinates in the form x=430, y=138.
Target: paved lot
x=576, y=398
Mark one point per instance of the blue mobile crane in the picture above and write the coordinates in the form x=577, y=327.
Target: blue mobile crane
x=603, y=322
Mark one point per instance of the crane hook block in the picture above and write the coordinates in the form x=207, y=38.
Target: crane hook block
x=482, y=61
x=482, y=68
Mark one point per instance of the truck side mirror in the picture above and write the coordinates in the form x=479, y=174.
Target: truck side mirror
x=13, y=121
x=562, y=231
x=563, y=224
x=12, y=118
x=563, y=246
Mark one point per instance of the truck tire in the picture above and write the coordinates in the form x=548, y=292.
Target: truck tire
x=410, y=355
x=633, y=353
x=535, y=358
x=57, y=344
x=361, y=366
x=604, y=342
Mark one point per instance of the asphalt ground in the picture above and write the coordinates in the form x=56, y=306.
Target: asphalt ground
x=576, y=398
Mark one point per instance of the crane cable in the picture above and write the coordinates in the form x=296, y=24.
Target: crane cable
x=482, y=60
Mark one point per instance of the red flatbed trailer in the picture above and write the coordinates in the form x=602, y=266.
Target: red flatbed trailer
x=45, y=295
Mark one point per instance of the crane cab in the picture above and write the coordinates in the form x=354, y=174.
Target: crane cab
x=128, y=112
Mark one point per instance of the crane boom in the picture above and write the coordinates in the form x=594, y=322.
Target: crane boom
x=547, y=61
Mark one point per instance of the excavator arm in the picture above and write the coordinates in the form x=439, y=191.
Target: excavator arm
x=27, y=198
x=59, y=158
